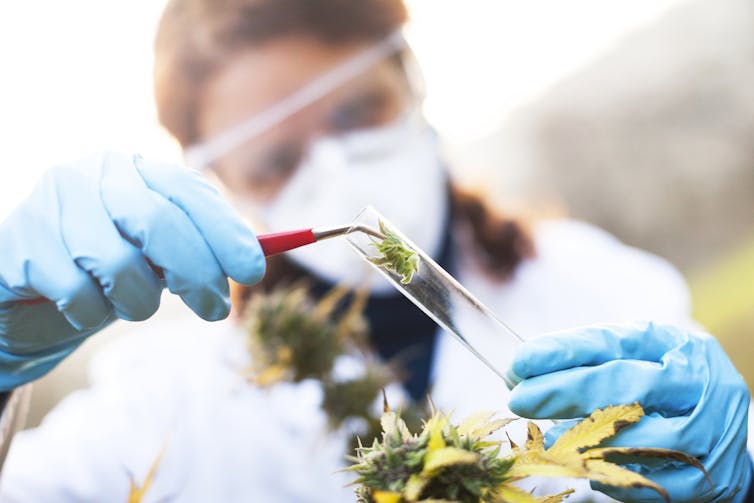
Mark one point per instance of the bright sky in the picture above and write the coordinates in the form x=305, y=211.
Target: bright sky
x=77, y=74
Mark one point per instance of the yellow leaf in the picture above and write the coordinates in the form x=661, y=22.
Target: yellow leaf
x=414, y=487
x=271, y=375
x=285, y=354
x=602, y=424
x=447, y=456
x=534, y=438
x=355, y=313
x=617, y=476
x=326, y=306
x=435, y=426
x=540, y=463
x=649, y=452
x=137, y=493
x=481, y=425
x=545, y=470
x=512, y=494
x=489, y=428
x=474, y=421
x=386, y=497
x=557, y=498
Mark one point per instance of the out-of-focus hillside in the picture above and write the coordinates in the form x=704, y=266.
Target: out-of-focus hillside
x=655, y=142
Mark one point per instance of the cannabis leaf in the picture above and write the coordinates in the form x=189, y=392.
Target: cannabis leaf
x=572, y=454
x=292, y=336
x=600, y=425
x=456, y=464
x=395, y=255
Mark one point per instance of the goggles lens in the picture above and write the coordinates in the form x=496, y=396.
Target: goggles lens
x=255, y=158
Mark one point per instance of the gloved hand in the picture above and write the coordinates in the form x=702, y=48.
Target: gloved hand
x=695, y=400
x=89, y=239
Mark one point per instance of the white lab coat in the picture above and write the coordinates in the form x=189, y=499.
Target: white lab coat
x=179, y=386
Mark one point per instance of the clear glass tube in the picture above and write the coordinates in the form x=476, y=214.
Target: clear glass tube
x=440, y=296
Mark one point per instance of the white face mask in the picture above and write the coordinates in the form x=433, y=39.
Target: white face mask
x=396, y=169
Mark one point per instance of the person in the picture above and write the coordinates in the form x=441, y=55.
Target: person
x=304, y=110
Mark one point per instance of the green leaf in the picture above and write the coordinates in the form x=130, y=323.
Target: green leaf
x=395, y=255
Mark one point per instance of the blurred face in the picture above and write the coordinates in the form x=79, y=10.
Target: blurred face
x=260, y=77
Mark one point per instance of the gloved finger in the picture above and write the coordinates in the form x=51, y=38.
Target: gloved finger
x=681, y=433
x=48, y=326
x=682, y=482
x=578, y=391
x=124, y=275
x=644, y=495
x=127, y=280
x=49, y=270
x=233, y=243
x=73, y=291
x=168, y=239
x=592, y=346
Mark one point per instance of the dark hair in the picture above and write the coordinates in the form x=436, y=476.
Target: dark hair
x=196, y=37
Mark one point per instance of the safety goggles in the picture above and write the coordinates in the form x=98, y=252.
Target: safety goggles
x=254, y=159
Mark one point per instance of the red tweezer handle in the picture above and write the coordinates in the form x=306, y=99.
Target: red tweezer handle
x=280, y=242
x=272, y=244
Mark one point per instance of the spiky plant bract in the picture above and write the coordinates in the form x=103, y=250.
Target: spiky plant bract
x=440, y=462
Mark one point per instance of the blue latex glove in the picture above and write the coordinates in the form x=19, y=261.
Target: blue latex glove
x=695, y=400
x=89, y=237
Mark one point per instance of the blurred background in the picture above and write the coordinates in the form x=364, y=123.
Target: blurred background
x=635, y=115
